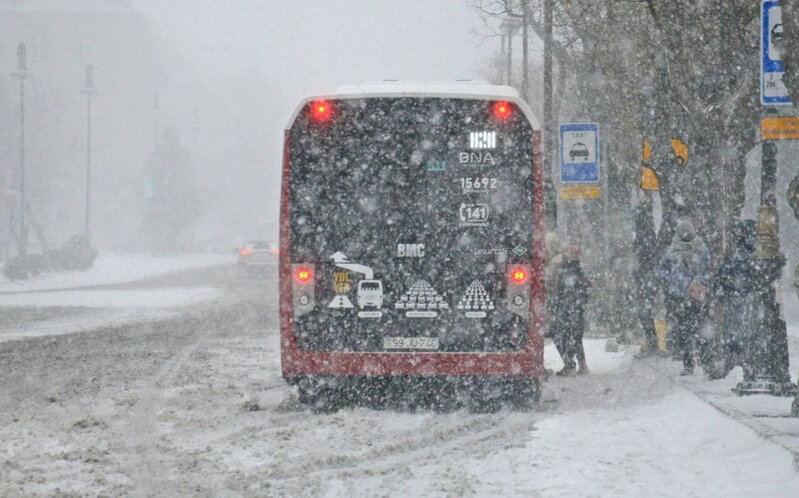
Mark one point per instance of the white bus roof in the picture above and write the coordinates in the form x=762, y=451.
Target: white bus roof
x=455, y=89
x=460, y=87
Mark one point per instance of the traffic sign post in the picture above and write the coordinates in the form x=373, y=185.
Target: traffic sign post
x=768, y=353
x=772, y=88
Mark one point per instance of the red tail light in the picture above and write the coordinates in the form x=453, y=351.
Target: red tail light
x=518, y=275
x=246, y=251
x=321, y=110
x=304, y=275
x=502, y=111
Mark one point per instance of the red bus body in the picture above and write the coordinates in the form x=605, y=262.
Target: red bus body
x=527, y=362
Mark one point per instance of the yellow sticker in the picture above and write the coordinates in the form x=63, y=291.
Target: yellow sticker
x=579, y=192
x=680, y=150
x=649, y=181
x=647, y=150
x=341, y=282
x=778, y=128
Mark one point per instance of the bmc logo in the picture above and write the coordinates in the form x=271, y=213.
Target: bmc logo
x=410, y=250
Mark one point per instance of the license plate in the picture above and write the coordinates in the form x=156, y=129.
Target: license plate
x=427, y=343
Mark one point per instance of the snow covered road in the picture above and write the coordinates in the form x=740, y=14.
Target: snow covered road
x=167, y=408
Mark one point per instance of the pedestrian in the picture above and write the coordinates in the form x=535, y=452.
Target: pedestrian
x=645, y=246
x=734, y=291
x=571, y=296
x=668, y=226
x=684, y=272
x=554, y=259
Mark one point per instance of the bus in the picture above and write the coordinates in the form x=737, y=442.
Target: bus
x=411, y=244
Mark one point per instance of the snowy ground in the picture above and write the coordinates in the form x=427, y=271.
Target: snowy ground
x=164, y=408
x=118, y=289
x=115, y=268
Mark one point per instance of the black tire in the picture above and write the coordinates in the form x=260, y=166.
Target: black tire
x=326, y=400
x=524, y=394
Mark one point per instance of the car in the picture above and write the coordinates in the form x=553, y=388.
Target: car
x=578, y=150
x=255, y=256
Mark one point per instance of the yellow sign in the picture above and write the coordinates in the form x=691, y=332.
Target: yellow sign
x=647, y=150
x=579, y=192
x=680, y=150
x=649, y=181
x=777, y=128
x=341, y=282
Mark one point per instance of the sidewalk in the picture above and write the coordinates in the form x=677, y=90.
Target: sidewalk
x=115, y=268
x=64, y=303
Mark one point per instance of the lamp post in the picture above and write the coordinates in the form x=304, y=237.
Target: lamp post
x=89, y=91
x=21, y=73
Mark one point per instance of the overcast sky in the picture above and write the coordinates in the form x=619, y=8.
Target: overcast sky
x=312, y=46
x=250, y=62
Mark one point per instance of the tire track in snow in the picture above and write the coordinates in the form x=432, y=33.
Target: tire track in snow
x=479, y=434
x=146, y=465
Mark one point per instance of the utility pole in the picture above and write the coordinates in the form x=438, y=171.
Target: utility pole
x=21, y=73
x=90, y=91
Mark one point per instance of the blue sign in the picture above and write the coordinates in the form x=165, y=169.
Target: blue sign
x=772, y=88
x=579, y=153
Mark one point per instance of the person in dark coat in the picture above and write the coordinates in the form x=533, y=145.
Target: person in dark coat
x=733, y=289
x=647, y=256
x=684, y=272
x=571, y=296
x=668, y=226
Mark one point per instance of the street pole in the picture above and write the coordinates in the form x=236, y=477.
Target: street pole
x=550, y=197
x=508, y=28
x=510, y=57
x=90, y=91
x=769, y=350
x=21, y=73
x=525, y=43
x=767, y=353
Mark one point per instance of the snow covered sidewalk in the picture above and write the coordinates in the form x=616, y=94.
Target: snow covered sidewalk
x=61, y=303
x=114, y=268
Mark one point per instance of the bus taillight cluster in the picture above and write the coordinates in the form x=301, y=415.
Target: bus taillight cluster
x=321, y=111
x=304, y=275
x=518, y=275
x=502, y=111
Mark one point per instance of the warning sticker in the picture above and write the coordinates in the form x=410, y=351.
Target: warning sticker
x=475, y=301
x=341, y=282
x=421, y=300
x=340, y=301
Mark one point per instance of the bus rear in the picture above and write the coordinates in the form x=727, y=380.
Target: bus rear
x=411, y=230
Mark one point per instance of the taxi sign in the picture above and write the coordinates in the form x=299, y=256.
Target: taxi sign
x=579, y=153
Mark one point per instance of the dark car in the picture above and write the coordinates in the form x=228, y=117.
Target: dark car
x=256, y=256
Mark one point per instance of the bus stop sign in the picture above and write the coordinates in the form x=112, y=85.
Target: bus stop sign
x=579, y=153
